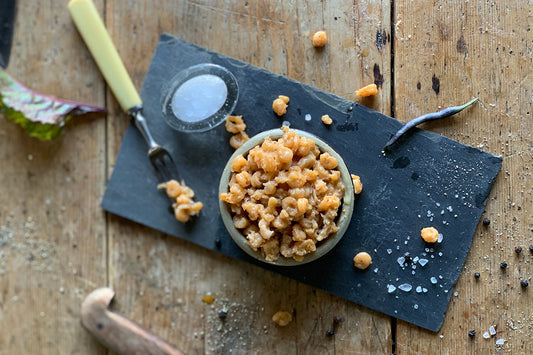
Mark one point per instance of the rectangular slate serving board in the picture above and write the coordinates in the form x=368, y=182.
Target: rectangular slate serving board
x=426, y=180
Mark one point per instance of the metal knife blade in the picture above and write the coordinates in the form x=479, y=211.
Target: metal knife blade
x=7, y=22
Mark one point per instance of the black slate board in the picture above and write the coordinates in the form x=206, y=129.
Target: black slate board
x=427, y=180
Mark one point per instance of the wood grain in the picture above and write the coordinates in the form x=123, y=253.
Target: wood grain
x=52, y=231
x=477, y=49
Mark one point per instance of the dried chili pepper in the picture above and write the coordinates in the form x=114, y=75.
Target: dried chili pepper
x=425, y=118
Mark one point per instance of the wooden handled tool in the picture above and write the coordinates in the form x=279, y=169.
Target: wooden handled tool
x=117, y=332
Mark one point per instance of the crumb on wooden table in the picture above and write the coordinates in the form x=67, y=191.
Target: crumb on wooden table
x=208, y=298
x=282, y=318
x=320, y=38
x=368, y=90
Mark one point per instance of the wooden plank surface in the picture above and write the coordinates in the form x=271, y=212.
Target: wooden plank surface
x=57, y=245
x=52, y=231
x=447, y=52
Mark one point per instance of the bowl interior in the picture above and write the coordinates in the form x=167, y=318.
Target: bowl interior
x=343, y=218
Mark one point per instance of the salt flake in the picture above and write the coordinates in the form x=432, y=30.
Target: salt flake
x=401, y=260
x=433, y=280
x=423, y=262
x=405, y=287
x=391, y=288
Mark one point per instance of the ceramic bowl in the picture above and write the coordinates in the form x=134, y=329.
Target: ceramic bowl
x=343, y=218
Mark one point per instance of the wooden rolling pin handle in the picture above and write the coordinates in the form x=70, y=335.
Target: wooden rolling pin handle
x=117, y=332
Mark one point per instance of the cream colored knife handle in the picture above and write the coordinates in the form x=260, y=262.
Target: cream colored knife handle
x=95, y=35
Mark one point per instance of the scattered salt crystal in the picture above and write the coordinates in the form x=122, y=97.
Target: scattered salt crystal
x=440, y=277
x=418, y=289
x=397, y=247
x=405, y=287
x=456, y=293
x=425, y=290
x=442, y=212
x=492, y=330
x=415, y=259
x=500, y=341
x=401, y=260
x=440, y=253
x=439, y=240
x=432, y=256
x=441, y=336
x=308, y=117
x=437, y=204
x=391, y=288
x=376, y=270
x=413, y=267
x=286, y=124
x=426, y=250
x=395, y=311
x=445, y=291
x=450, y=208
x=413, y=272
x=433, y=280
x=423, y=262
x=486, y=335
x=389, y=251
x=405, y=242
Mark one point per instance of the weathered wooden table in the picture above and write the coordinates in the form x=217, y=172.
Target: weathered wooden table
x=57, y=245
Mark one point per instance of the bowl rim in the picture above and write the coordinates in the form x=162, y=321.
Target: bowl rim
x=344, y=217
